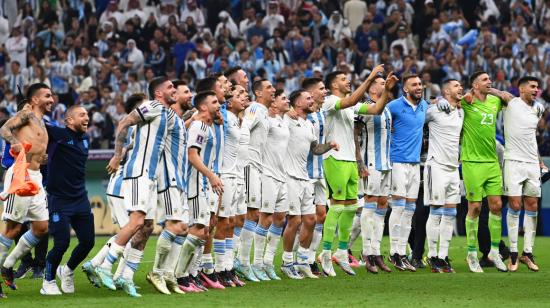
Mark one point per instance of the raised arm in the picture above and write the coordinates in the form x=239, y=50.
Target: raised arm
x=131, y=119
x=7, y=132
x=358, y=94
x=378, y=107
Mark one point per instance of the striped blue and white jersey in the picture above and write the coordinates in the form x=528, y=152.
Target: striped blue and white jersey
x=315, y=162
x=376, y=153
x=173, y=163
x=221, y=134
x=202, y=137
x=114, y=188
x=150, y=140
x=256, y=121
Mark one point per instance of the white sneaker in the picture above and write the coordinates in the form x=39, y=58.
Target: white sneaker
x=50, y=288
x=305, y=270
x=495, y=257
x=473, y=263
x=325, y=259
x=67, y=278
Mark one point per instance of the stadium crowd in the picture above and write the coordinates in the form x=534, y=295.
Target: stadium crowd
x=96, y=53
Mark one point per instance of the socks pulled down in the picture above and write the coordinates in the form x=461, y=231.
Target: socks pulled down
x=495, y=228
x=132, y=260
x=206, y=263
x=446, y=231
x=397, y=208
x=530, y=228
x=229, y=253
x=512, y=222
x=219, y=255
x=302, y=255
x=432, y=230
x=273, y=238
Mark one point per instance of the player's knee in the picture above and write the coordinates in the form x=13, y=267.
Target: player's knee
x=515, y=204
x=320, y=217
x=308, y=220
x=61, y=244
x=88, y=242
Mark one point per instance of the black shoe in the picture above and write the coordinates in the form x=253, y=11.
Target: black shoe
x=38, y=272
x=223, y=278
x=433, y=263
x=407, y=264
x=485, y=262
x=449, y=268
x=395, y=259
x=315, y=269
x=417, y=263
x=198, y=283
x=9, y=277
x=22, y=270
x=233, y=276
x=504, y=252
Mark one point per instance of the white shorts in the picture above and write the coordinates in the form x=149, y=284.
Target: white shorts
x=232, y=194
x=362, y=187
x=21, y=209
x=119, y=215
x=140, y=194
x=521, y=179
x=379, y=183
x=320, y=192
x=199, y=209
x=300, y=197
x=274, y=196
x=213, y=200
x=253, y=182
x=405, y=180
x=441, y=184
x=172, y=205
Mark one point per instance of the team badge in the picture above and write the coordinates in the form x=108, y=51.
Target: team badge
x=200, y=139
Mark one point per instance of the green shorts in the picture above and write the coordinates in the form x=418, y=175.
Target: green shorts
x=481, y=179
x=342, y=179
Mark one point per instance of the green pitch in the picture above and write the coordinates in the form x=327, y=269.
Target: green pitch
x=398, y=289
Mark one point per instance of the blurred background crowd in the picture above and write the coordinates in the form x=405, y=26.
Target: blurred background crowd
x=97, y=53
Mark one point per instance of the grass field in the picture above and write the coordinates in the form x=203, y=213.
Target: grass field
x=403, y=289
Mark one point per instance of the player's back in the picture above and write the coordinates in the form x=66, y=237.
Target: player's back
x=378, y=137
x=255, y=119
x=274, y=151
x=315, y=162
x=149, y=141
x=202, y=137
x=479, y=130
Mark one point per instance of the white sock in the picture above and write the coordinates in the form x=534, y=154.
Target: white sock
x=102, y=253
x=196, y=263
x=236, y=239
x=302, y=255
x=512, y=222
x=207, y=263
x=172, y=259
x=406, y=226
x=367, y=227
x=187, y=254
x=432, y=230
x=355, y=229
x=315, y=242
x=446, y=231
x=530, y=228
x=115, y=251
x=259, y=244
x=288, y=257
x=25, y=244
x=398, y=206
x=229, y=253
x=379, y=216
x=297, y=239
x=122, y=262
x=5, y=245
x=247, y=236
x=219, y=255
x=164, y=244
x=132, y=260
x=273, y=238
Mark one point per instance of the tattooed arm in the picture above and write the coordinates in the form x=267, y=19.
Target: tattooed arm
x=320, y=149
x=7, y=131
x=121, y=134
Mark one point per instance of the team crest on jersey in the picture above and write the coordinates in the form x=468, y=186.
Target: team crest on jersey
x=200, y=139
x=143, y=109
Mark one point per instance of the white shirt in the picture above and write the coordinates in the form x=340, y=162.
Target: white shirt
x=302, y=135
x=520, y=127
x=232, y=145
x=274, y=150
x=445, y=129
x=255, y=121
x=339, y=128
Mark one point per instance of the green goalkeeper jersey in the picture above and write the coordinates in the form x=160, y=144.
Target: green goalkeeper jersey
x=479, y=130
